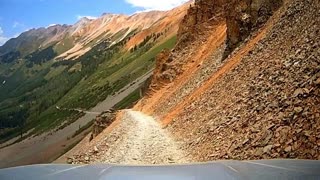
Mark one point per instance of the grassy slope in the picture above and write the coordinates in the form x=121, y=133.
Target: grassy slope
x=128, y=101
x=55, y=72
x=119, y=72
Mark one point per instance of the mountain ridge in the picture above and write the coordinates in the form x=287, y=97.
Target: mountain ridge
x=84, y=31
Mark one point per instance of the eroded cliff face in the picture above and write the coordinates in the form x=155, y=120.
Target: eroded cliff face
x=159, y=77
x=193, y=31
x=242, y=17
x=245, y=16
x=199, y=16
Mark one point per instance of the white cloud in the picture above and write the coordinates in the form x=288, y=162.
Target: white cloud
x=89, y=17
x=16, y=35
x=17, y=24
x=156, y=4
x=3, y=39
x=51, y=25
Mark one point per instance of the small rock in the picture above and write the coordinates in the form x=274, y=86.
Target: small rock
x=298, y=110
x=295, y=146
x=301, y=92
x=298, y=92
x=86, y=158
x=171, y=160
x=245, y=141
x=288, y=149
x=317, y=82
x=267, y=149
x=298, y=130
x=277, y=145
x=95, y=149
x=270, y=126
x=198, y=140
x=307, y=133
x=259, y=152
x=214, y=155
x=289, y=142
x=70, y=160
x=274, y=104
x=267, y=138
x=275, y=155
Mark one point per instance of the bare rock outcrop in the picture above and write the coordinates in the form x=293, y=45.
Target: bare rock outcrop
x=101, y=122
x=199, y=16
x=162, y=60
x=192, y=32
x=242, y=17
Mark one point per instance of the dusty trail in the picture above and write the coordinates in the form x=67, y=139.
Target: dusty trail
x=138, y=139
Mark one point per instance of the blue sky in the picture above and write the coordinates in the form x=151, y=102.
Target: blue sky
x=17, y=16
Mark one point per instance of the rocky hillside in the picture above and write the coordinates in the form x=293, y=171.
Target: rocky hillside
x=259, y=102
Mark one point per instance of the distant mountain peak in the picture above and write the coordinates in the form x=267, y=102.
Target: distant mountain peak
x=83, y=20
x=107, y=14
x=51, y=25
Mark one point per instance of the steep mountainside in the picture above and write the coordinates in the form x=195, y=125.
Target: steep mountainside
x=241, y=83
x=259, y=102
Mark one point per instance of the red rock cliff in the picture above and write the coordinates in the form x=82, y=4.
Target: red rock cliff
x=241, y=16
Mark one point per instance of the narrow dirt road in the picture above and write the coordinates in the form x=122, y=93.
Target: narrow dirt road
x=137, y=139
